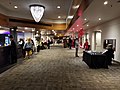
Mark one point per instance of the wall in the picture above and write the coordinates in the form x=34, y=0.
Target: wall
x=28, y=35
x=20, y=35
x=109, y=30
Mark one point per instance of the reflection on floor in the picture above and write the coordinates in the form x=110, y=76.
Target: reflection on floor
x=58, y=69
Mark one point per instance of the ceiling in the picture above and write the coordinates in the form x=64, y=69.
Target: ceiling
x=51, y=11
x=67, y=8
x=97, y=10
x=94, y=11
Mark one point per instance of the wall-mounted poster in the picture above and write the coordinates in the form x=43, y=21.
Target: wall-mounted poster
x=109, y=41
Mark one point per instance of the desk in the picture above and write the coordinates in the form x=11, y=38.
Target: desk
x=95, y=59
x=5, y=56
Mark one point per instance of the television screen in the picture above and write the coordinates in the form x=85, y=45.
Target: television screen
x=7, y=40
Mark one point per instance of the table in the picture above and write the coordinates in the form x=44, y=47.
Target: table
x=95, y=59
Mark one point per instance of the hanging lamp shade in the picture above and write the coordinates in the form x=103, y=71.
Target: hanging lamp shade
x=37, y=11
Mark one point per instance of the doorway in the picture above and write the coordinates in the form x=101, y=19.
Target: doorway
x=98, y=41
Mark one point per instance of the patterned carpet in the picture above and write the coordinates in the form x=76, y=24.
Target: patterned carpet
x=58, y=69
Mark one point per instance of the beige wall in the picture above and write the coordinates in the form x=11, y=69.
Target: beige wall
x=110, y=30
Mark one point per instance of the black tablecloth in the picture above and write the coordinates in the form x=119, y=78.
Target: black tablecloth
x=95, y=59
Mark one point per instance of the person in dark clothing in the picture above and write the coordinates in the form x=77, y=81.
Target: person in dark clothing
x=65, y=42
x=13, y=50
x=109, y=54
x=48, y=44
x=76, y=47
x=70, y=43
x=21, y=43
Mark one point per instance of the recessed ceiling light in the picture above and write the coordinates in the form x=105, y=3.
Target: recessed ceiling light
x=15, y=6
x=26, y=28
x=33, y=30
x=99, y=19
x=85, y=19
x=70, y=17
x=58, y=6
x=87, y=25
x=73, y=28
x=75, y=7
x=106, y=2
x=77, y=25
x=81, y=28
x=23, y=31
x=12, y=29
x=59, y=16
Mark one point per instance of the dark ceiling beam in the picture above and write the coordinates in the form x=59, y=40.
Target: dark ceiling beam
x=21, y=22
x=3, y=20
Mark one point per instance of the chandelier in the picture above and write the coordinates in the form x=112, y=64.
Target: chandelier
x=37, y=11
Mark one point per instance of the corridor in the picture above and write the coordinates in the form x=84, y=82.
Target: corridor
x=58, y=69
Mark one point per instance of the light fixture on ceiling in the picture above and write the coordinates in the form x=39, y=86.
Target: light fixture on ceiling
x=37, y=11
x=12, y=29
x=70, y=17
x=33, y=30
x=106, y=2
x=59, y=16
x=26, y=28
x=15, y=7
x=77, y=25
x=75, y=7
x=87, y=25
x=85, y=19
x=58, y=6
x=99, y=19
x=23, y=31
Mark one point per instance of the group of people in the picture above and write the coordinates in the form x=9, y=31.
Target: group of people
x=27, y=47
x=109, y=52
x=75, y=43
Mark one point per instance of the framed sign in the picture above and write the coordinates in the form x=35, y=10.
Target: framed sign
x=109, y=41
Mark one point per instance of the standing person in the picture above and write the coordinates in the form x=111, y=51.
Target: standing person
x=70, y=42
x=32, y=46
x=65, y=42
x=28, y=47
x=13, y=50
x=86, y=46
x=74, y=41
x=48, y=44
x=76, y=47
x=21, y=43
x=109, y=54
x=38, y=45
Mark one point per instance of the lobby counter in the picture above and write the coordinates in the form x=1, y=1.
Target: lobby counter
x=5, y=55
